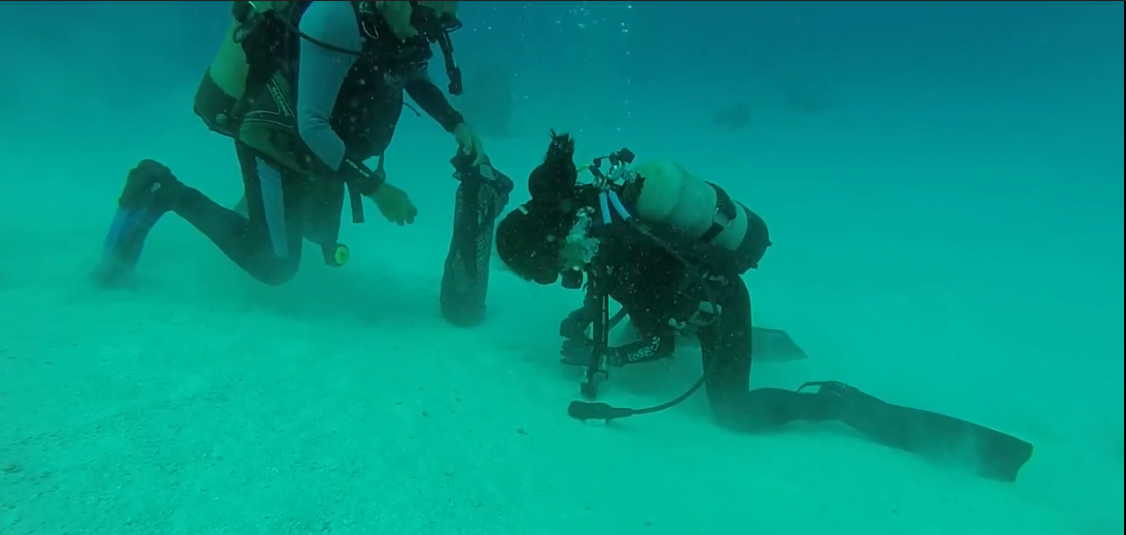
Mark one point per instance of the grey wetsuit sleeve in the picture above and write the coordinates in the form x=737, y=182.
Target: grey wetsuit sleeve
x=321, y=74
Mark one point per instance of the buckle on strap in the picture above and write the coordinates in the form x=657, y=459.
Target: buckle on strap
x=724, y=214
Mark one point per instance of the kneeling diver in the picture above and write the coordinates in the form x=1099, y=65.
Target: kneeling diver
x=671, y=248
x=309, y=91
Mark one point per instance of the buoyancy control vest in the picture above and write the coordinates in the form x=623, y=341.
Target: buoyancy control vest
x=248, y=91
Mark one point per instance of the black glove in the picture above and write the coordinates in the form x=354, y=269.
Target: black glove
x=574, y=325
x=576, y=351
x=647, y=349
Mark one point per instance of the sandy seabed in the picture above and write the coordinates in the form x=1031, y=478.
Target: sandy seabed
x=198, y=402
x=156, y=410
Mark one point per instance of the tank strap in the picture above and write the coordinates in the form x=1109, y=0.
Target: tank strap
x=724, y=214
x=365, y=16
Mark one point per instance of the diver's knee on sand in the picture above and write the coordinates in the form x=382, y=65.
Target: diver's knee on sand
x=275, y=273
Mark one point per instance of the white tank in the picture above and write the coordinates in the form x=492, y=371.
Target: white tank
x=672, y=196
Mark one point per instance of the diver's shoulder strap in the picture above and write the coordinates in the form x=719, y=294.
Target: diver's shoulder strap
x=725, y=213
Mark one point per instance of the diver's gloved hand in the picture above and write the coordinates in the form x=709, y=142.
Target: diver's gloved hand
x=576, y=351
x=394, y=204
x=573, y=327
x=468, y=143
x=647, y=349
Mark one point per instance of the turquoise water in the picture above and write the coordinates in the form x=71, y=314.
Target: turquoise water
x=943, y=183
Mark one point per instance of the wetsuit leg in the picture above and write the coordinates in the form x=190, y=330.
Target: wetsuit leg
x=726, y=348
x=322, y=207
x=267, y=242
x=323, y=202
x=727, y=366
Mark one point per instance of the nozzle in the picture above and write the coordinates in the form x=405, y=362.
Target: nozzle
x=582, y=410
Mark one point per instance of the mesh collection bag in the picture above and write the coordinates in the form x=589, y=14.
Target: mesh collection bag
x=481, y=198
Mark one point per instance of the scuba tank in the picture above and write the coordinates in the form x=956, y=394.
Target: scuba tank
x=705, y=218
x=255, y=37
x=696, y=217
x=222, y=86
x=228, y=69
x=667, y=194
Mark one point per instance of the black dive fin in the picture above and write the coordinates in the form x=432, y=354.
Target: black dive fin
x=994, y=454
x=774, y=345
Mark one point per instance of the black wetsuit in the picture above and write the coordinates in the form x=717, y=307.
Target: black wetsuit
x=655, y=287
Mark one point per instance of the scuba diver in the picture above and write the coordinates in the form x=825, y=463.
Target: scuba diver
x=671, y=248
x=309, y=91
